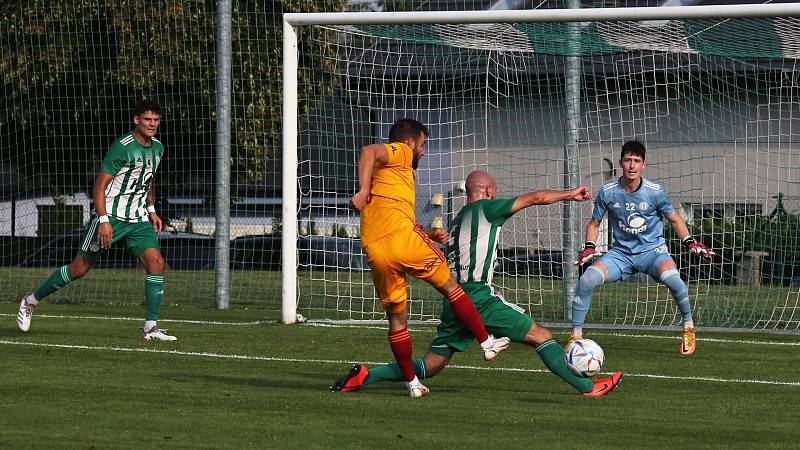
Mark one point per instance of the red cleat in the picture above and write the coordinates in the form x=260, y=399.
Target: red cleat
x=353, y=380
x=603, y=386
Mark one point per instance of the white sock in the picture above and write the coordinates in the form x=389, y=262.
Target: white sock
x=414, y=383
x=577, y=331
x=31, y=300
x=488, y=343
x=688, y=324
x=149, y=325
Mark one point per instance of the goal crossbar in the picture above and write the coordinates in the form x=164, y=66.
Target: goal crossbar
x=547, y=15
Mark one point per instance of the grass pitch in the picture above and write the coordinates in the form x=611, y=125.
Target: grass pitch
x=237, y=379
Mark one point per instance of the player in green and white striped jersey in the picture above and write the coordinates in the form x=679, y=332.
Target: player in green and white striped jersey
x=472, y=251
x=124, y=199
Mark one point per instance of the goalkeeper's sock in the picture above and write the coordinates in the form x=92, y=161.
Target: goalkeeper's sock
x=57, y=280
x=467, y=314
x=680, y=292
x=553, y=357
x=590, y=279
x=391, y=372
x=153, y=294
x=400, y=342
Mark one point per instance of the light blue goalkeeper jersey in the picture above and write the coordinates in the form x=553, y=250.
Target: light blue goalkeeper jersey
x=636, y=218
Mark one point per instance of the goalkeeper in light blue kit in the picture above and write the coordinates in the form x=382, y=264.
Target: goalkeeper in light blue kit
x=636, y=208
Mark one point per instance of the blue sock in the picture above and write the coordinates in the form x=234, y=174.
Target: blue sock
x=680, y=292
x=590, y=279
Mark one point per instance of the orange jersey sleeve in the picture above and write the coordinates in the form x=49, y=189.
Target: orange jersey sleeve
x=393, y=195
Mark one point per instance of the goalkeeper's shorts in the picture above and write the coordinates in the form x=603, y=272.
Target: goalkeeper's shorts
x=404, y=252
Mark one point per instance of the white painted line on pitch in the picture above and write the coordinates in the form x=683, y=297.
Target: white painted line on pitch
x=333, y=361
x=703, y=339
x=424, y=327
x=139, y=319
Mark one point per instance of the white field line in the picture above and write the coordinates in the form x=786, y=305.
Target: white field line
x=139, y=319
x=371, y=363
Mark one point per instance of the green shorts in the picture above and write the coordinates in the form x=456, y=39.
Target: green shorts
x=137, y=238
x=501, y=319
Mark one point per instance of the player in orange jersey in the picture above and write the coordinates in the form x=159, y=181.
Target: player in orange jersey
x=397, y=246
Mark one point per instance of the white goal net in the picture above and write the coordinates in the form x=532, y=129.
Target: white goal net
x=715, y=100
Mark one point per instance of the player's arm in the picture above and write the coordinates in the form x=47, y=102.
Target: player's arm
x=150, y=201
x=589, y=251
x=546, y=197
x=373, y=155
x=439, y=235
x=678, y=224
x=104, y=232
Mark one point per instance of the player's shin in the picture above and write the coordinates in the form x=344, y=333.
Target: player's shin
x=590, y=279
x=553, y=357
x=58, y=279
x=153, y=293
x=680, y=293
x=392, y=372
x=400, y=342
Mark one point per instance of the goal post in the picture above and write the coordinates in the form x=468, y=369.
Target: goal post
x=717, y=112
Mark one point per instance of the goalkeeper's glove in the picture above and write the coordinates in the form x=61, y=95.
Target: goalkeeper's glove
x=588, y=254
x=697, y=247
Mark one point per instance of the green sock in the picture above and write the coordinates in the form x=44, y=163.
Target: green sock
x=553, y=356
x=57, y=280
x=153, y=293
x=391, y=372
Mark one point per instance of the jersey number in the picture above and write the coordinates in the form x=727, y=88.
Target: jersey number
x=630, y=206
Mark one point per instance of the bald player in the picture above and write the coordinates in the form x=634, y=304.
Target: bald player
x=396, y=246
x=472, y=251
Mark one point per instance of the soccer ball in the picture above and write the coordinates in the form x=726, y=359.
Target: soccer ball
x=584, y=358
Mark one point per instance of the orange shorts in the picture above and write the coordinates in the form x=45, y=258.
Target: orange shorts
x=405, y=252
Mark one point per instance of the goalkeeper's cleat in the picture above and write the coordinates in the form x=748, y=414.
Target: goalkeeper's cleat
x=572, y=339
x=603, y=386
x=157, y=334
x=418, y=390
x=353, y=380
x=25, y=313
x=688, y=342
x=500, y=344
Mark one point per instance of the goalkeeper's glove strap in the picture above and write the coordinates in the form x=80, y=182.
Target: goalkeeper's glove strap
x=688, y=240
x=589, y=244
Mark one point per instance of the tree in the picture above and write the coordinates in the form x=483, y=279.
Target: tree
x=74, y=68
